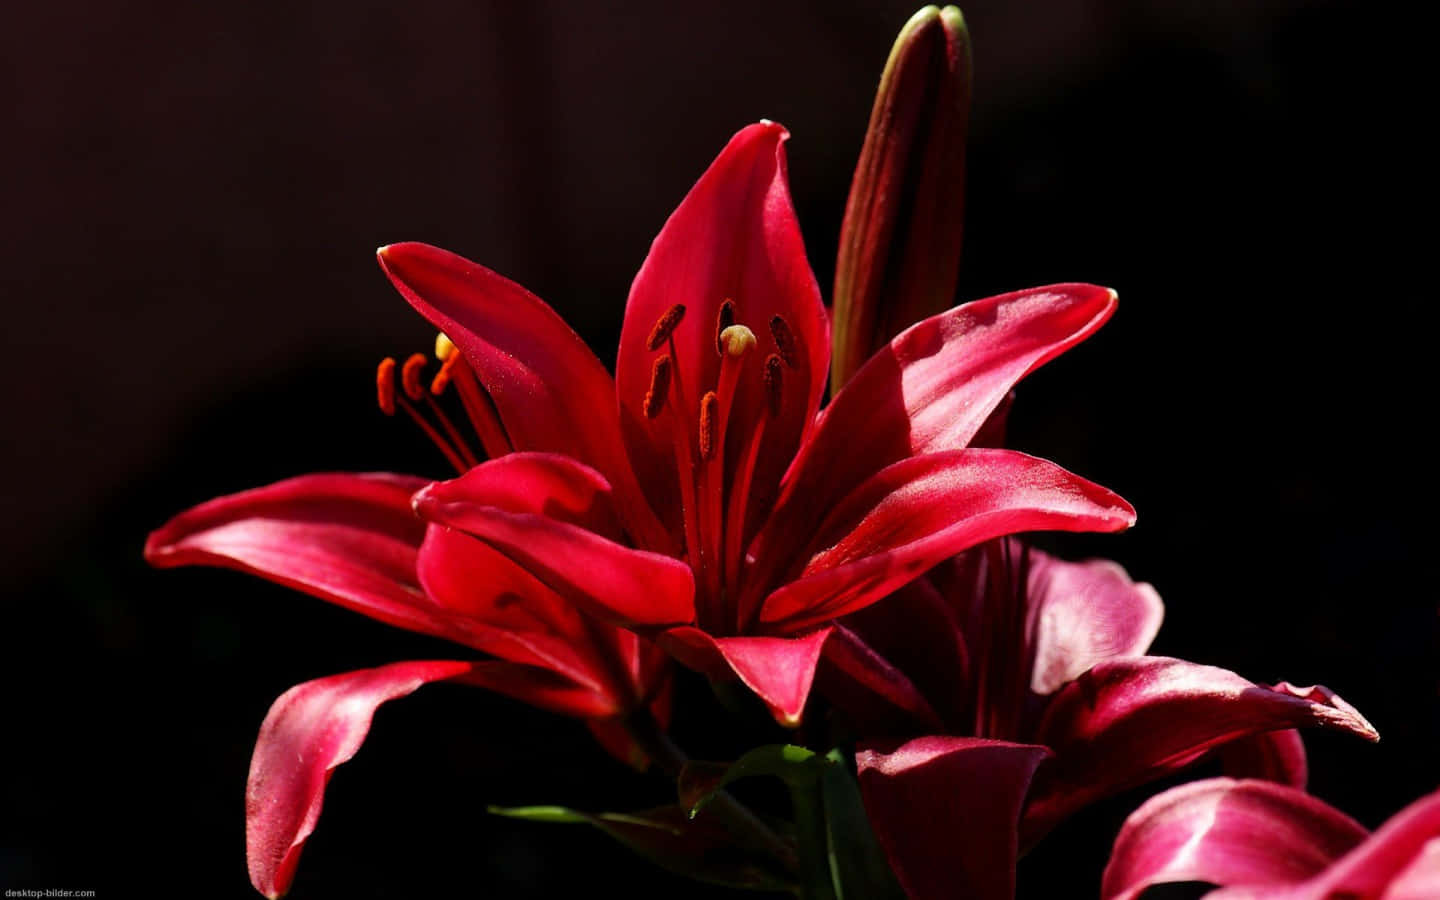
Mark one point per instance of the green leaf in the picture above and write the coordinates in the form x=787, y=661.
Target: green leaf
x=703, y=850
x=858, y=866
x=700, y=781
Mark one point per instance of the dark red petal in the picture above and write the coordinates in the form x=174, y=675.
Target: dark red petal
x=919, y=511
x=1088, y=612
x=1252, y=833
x=311, y=729
x=551, y=391
x=779, y=670
x=1277, y=756
x=933, y=388
x=1127, y=721
x=348, y=539
x=615, y=583
x=734, y=237
x=1400, y=861
x=946, y=811
x=876, y=696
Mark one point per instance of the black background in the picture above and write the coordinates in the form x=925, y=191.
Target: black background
x=192, y=196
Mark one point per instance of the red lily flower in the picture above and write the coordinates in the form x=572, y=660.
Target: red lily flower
x=738, y=523
x=1264, y=841
x=1028, y=677
x=353, y=540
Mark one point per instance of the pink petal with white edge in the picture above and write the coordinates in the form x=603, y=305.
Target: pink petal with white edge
x=946, y=811
x=1227, y=832
x=779, y=670
x=311, y=729
x=1088, y=612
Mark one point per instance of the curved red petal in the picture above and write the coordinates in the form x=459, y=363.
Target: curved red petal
x=1400, y=861
x=1253, y=833
x=779, y=670
x=917, y=512
x=1088, y=612
x=946, y=811
x=545, y=382
x=876, y=695
x=932, y=389
x=1277, y=756
x=615, y=583
x=1127, y=721
x=349, y=539
x=311, y=729
x=734, y=237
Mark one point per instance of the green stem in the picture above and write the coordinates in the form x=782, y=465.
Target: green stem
x=741, y=821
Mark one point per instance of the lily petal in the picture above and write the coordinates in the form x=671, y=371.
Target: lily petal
x=1224, y=831
x=538, y=371
x=311, y=729
x=1089, y=611
x=946, y=811
x=877, y=697
x=779, y=670
x=614, y=583
x=734, y=237
x=1127, y=721
x=933, y=388
x=919, y=511
x=1400, y=861
x=348, y=539
x=1277, y=756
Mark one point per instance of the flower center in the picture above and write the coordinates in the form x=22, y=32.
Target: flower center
x=717, y=436
x=423, y=408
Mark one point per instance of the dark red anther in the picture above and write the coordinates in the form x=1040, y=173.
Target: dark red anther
x=410, y=377
x=659, y=386
x=665, y=327
x=774, y=382
x=385, y=385
x=709, y=424
x=784, y=339
x=724, y=321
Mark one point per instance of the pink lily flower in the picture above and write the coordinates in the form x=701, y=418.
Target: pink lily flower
x=739, y=520
x=1027, y=677
x=1264, y=841
x=353, y=540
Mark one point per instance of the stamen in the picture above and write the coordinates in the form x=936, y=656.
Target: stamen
x=709, y=424
x=774, y=383
x=385, y=385
x=659, y=386
x=665, y=327
x=410, y=377
x=443, y=377
x=725, y=320
x=784, y=340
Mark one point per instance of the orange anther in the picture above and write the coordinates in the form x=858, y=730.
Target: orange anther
x=659, y=386
x=410, y=376
x=442, y=378
x=665, y=327
x=709, y=424
x=385, y=385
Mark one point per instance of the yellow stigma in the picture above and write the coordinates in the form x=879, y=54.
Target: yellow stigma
x=737, y=340
x=443, y=346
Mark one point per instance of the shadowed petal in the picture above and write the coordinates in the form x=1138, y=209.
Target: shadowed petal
x=946, y=811
x=542, y=377
x=616, y=584
x=1089, y=611
x=311, y=729
x=920, y=511
x=348, y=539
x=734, y=237
x=1253, y=833
x=876, y=696
x=779, y=670
x=932, y=389
x=1277, y=756
x=1127, y=721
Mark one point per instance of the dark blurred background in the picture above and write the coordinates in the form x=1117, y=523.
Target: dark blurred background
x=192, y=195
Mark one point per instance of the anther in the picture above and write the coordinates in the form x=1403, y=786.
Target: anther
x=784, y=339
x=723, y=322
x=385, y=385
x=709, y=424
x=410, y=377
x=444, y=347
x=665, y=327
x=659, y=386
x=774, y=382
x=443, y=377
